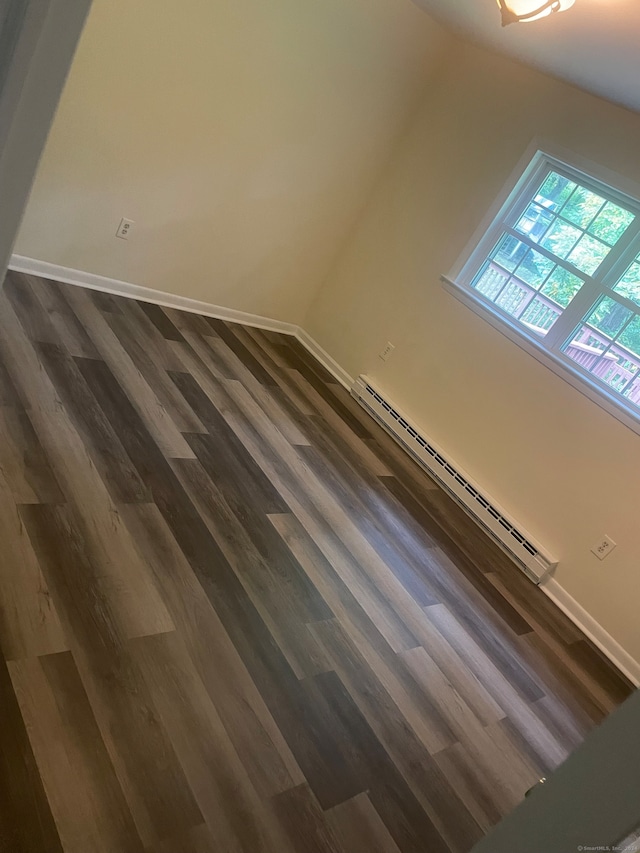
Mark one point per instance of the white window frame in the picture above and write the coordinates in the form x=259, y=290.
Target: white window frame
x=508, y=208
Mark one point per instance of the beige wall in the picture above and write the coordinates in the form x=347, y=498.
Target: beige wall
x=563, y=467
x=242, y=138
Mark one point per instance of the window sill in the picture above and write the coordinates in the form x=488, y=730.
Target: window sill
x=610, y=403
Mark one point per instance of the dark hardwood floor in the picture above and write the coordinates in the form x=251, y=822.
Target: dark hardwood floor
x=236, y=618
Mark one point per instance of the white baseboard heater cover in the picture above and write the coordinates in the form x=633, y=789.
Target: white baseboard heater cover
x=505, y=531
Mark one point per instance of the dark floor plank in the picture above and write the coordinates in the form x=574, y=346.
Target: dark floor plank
x=315, y=739
x=29, y=620
x=160, y=320
x=26, y=822
x=407, y=822
x=402, y=465
x=159, y=349
x=484, y=554
x=438, y=510
x=200, y=347
x=245, y=336
x=71, y=333
x=418, y=769
x=357, y=826
x=506, y=772
x=415, y=704
x=362, y=478
x=293, y=344
x=33, y=318
x=468, y=781
x=488, y=654
x=568, y=723
x=370, y=520
x=252, y=521
x=276, y=584
x=567, y=677
x=280, y=370
x=106, y=450
x=237, y=817
x=23, y=461
x=225, y=333
x=141, y=354
x=251, y=728
x=589, y=659
x=264, y=397
x=305, y=823
x=50, y=295
x=539, y=611
x=85, y=795
x=224, y=454
x=314, y=381
x=184, y=521
x=8, y=394
x=196, y=840
x=154, y=785
x=187, y=321
x=157, y=420
x=105, y=302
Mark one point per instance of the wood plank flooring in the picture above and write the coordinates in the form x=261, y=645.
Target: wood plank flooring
x=235, y=617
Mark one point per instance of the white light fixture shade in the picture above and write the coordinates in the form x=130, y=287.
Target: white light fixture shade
x=523, y=11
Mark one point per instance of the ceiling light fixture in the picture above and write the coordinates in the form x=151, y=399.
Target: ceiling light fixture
x=523, y=11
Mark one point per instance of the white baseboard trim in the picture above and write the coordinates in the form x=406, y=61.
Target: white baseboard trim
x=325, y=359
x=578, y=615
x=593, y=630
x=31, y=266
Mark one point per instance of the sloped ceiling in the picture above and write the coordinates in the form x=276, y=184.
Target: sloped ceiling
x=595, y=44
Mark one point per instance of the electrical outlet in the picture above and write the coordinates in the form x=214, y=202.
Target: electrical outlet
x=386, y=352
x=603, y=548
x=124, y=229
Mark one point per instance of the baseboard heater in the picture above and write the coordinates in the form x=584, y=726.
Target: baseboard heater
x=505, y=531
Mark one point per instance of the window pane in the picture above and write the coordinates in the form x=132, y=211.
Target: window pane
x=615, y=366
x=614, y=374
x=630, y=290
x=589, y=339
x=509, y=252
x=561, y=238
x=554, y=191
x=514, y=297
x=588, y=254
x=534, y=268
x=517, y=299
x=582, y=207
x=609, y=316
x=534, y=222
x=586, y=346
x=540, y=315
x=630, y=337
x=629, y=284
x=611, y=223
x=562, y=286
x=490, y=281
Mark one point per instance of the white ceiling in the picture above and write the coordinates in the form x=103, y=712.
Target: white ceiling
x=595, y=44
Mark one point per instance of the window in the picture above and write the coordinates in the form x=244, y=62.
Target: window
x=559, y=271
